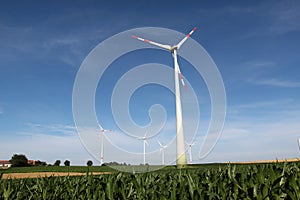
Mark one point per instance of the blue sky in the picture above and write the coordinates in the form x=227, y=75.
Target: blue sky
x=254, y=44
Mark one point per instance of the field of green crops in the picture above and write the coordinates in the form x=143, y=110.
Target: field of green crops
x=259, y=181
x=58, y=169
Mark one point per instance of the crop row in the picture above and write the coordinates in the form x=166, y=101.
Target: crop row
x=261, y=181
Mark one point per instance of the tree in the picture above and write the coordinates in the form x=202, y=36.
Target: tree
x=89, y=163
x=40, y=163
x=19, y=160
x=57, y=163
x=67, y=163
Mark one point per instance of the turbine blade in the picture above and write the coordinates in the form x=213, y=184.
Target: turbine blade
x=140, y=138
x=181, y=77
x=159, y=143
x=164, y=46
x=146, y=142
x=101, y=128
x=186, y=37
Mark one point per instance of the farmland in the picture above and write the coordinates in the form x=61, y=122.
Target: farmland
x=58, y=169
x=227, y=181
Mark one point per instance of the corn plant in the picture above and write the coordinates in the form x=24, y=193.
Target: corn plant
x=260, y=181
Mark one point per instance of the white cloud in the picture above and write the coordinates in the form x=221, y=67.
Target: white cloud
x=285, y=17
x=121, y=147
x=263, y=64
x=47, y=143
x=47, y=148
x=69, y=48
x=250, y=140
x=57, y=129
x=277, y=83
x=257, y=66
x=275, y=18
x=52, y=142
x=260, y=104
x=242, y=140
x=269, y=132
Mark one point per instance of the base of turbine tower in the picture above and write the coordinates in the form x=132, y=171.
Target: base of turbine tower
x=181, y=161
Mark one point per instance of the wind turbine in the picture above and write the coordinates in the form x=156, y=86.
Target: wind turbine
x=180, y=150
x=299, y=143
x=190, y=151
x=102, y=131
x=162, y=150
x=144, y=138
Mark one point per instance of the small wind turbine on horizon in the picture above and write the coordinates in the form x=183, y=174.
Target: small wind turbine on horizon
x=102, y=131
x=144, y=138
x=190, y=151
x=180, y=149
x=162, y=150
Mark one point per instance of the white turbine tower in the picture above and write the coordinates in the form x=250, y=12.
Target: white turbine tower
x=162, y=150
x=180, y=151
x=102, y=144
x=190, y=151
x=144, y=138
x=299, y=143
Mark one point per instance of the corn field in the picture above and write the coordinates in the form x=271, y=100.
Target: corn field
x=261, y=181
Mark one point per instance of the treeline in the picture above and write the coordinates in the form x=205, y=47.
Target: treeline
x=20, y=160
x=115, y=164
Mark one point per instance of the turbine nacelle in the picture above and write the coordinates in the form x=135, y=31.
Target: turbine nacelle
x=162, y=147
x=103, y=130
x=174, y=48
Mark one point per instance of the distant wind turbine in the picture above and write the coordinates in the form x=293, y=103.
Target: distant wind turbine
x=144, y=138
x=180, y=150
x=190, y=151
x=102, y=144
x=162, y=150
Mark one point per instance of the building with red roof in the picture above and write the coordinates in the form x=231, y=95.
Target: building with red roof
x=5, y=164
